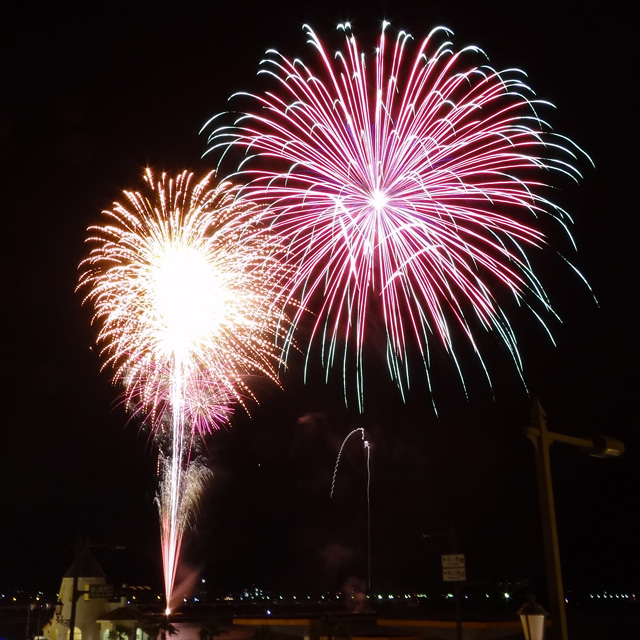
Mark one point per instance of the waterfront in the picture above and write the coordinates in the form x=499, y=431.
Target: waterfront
x=587, y=620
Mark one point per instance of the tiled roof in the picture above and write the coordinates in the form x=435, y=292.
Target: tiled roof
x=123, y=614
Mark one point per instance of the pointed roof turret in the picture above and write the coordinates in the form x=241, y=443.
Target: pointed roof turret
x=84, y=565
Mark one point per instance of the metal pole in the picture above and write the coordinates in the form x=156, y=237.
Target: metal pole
x=456, y=595
x=541, y=442
x=80, y=547
x=453, y=537
x=74, y=595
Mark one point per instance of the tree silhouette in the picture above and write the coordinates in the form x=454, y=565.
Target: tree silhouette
x=119, y=632
x=211, y=629
x=263, y=632
x=162, y=629
x=329, y=628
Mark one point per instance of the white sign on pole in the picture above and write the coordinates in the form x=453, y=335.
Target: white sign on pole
x=453, y=567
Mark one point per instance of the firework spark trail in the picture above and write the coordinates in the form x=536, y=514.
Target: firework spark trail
x=344, y=442
x=187, y=481
x=408, y=186
x=187, y=291
x=367, y=446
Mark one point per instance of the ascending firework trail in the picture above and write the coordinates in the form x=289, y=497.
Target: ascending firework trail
x=367, y=447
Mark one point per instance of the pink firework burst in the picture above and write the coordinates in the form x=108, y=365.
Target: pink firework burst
x=407, y=182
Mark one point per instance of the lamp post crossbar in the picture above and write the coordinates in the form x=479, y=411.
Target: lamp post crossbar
x=542, y=439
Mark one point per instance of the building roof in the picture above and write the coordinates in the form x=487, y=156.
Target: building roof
x=123, y=614
x=85, y=565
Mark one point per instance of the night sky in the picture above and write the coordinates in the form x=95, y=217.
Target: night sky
x=91, y=95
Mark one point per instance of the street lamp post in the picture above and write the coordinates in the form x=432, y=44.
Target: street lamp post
x=532, y=616
x=75, y=594
x=542, y=439
x=452, y=537
x=79, y=547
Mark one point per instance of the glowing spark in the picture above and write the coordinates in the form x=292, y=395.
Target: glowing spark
x=409, y=187
x=187, y=291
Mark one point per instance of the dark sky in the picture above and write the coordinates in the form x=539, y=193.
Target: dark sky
x=93, y=94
